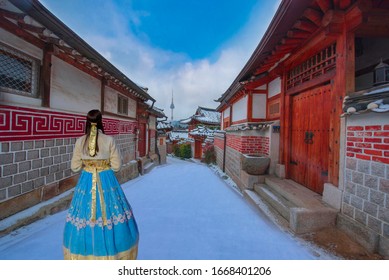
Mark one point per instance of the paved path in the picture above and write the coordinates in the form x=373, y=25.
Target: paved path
x=184, y=211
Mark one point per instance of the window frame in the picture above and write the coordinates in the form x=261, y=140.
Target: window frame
x=35, y=71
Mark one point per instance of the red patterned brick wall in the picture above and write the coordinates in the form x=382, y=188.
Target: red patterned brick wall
x=18, y=124
x=370, y=142
x=258, y=145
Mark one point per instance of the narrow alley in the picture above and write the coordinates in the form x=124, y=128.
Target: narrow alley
x=184, y=211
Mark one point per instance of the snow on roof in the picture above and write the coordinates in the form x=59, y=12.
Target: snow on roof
x=375, y=99
x=202, y=131
x=207, y=116
x=163, y=125
x=178, y=135
x=186, y=121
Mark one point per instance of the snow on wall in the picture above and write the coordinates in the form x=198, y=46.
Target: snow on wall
x=72, y=89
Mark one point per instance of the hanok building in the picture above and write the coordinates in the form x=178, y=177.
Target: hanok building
x=286, y=105
x=202, y=126
x=49, y=79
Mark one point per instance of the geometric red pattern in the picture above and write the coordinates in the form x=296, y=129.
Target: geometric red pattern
x=20, y=123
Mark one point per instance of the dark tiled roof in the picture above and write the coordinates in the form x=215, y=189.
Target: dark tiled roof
x=375, y=99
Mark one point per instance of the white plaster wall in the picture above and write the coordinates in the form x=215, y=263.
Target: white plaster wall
x=274, y=87
x=226, y=113
x=72, y=89
x=152, y=122
x=131, y=108
x=19, y=44
x=259, y=106
x=110, y=100
x=262, y=87
x=239, y=110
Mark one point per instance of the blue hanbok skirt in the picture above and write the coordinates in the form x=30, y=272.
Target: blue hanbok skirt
x=100, y=223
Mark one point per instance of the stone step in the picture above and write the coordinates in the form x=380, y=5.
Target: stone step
x=148, y=167
x=304, y=209
x=265, y=209
x=277, y=201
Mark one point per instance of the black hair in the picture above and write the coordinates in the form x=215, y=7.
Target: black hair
x=93, y=116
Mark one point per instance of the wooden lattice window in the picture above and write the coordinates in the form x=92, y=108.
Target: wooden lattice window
x=19, y=73
x=317, y=65
x=122, y=105
x=274, y=108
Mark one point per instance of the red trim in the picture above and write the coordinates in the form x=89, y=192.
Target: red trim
x=19, y=124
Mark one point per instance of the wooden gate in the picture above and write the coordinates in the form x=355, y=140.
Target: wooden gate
x=310, y=137
x=198, y=149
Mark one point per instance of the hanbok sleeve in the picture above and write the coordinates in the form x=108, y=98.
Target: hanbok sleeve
x=76, y=163
x=115, y=160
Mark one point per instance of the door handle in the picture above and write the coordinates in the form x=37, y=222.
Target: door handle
x=308, y=137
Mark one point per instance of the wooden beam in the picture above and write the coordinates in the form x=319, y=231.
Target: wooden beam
x=297, y=34
x=324, y=5
x=11, y=15
x=32, y=28
x=332, y=16
x=16, y=30
x=286, y=48
x=305, y=25
x=343, y=4
x=291, y=41
x=313, y=15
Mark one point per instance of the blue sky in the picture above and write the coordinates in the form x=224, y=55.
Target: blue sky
x=193, y=48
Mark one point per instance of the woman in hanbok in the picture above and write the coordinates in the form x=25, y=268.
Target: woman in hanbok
x=100, y=223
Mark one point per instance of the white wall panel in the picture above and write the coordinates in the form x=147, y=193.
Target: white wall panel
x=274, y=87
x=239, y=110
x=73, y=89
x=259, y=106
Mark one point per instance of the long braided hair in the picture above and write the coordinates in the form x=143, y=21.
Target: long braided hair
x=94, y=118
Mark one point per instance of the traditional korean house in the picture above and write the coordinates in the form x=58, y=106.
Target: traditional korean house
x=49, y=79
x=201, y=126
x=286, y=105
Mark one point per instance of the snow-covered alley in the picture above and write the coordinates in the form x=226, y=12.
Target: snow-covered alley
x=184, y=211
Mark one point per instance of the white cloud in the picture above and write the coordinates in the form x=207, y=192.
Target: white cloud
x=194, y=83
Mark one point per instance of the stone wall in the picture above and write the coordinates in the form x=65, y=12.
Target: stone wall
x=35, y=167
x=366, y=189
x=219, y=148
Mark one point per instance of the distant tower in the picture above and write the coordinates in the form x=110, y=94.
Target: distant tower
x=172, y=105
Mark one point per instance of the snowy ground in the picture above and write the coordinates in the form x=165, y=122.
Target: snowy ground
x=184, y=211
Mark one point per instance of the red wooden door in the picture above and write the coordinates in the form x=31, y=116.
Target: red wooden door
x=310, y=138
x=142, y=140
x=198, y=149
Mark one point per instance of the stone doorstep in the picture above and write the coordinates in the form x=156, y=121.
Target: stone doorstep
x=301, y=207
x=275, y=200
x=148, y=167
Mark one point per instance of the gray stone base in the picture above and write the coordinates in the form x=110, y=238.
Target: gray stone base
x=280, y=171
x=127, y=172
x=332, y=195
x=303, y=220
x=248, y=180
x=359, y=233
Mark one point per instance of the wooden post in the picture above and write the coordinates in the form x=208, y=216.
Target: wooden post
x=45, y=75
x=343, y=83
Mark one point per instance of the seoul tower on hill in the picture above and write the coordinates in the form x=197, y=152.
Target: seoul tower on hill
x=172, y=106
